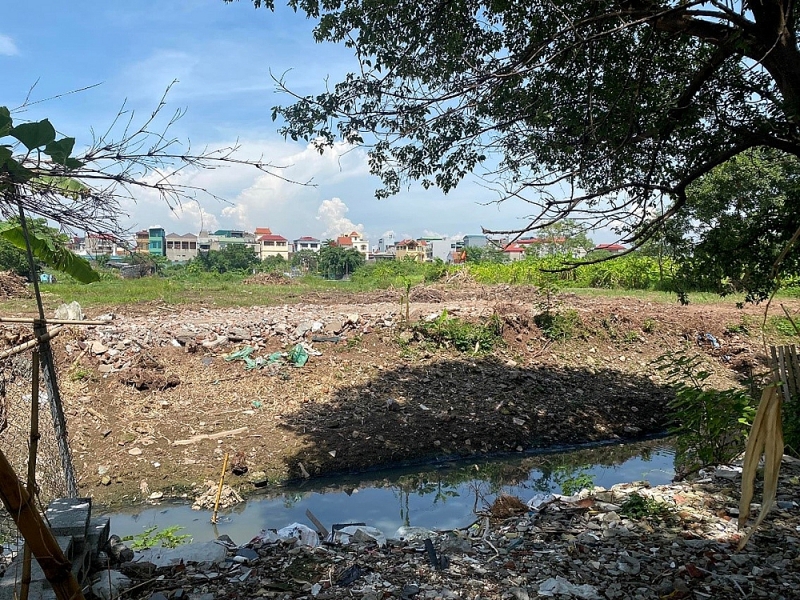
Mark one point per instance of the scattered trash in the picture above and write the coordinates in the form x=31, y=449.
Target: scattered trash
x=358, y=533
x=558, y=585
x=298, y=355
x=708, y=338
x=350, y=575
x=228, y=497
x=304, y=535
x=409, y=534
x=333, y=339
x=539, y=500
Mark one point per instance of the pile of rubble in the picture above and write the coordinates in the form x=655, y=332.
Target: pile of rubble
x=629, y=542
x=126, y=341
x=120, y=345
x=13, y=286
x=272, y=278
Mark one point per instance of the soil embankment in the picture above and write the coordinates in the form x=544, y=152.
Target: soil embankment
x=152, y=404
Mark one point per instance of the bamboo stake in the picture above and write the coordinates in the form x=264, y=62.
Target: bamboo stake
x=32, y=320
x=219, y=489
x=33, y=448
x=20, y=505
x=30, y=344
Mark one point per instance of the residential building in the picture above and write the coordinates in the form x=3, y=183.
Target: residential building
x=181, y=248
x=222, y=238
x=410, y=250
x=439, y=248
x=612, y=248
x=157, y=245
x=306, y=243
x=475, y=241
x=142, y=241
x=271, y=244
x=386, y=242
x=77, y=245
x=356, y=242
x=514, y=252
x=101, y=244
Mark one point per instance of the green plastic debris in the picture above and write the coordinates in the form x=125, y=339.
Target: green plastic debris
x=239, y=354
x=257, y=404
x=275, y=357
x=298, y=356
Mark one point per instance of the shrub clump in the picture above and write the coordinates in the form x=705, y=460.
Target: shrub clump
x=561, y=325
x=452, y=332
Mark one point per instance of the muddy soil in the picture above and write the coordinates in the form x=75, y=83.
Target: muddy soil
x=153, y=406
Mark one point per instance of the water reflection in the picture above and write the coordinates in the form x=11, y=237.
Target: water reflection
x=437, y=498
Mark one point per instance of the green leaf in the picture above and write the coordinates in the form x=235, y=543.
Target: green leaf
x=59, y=151
x=34, y=135
x=55, y=257
x=19, y=174
x=73, y=163
x=5, y=121
x=66, y=186
x=5, y=154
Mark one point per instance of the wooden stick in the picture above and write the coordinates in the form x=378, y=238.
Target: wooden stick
x=32, y=451
x=209, y=436
x=21, y=508
x=219, y=489
x=30, y=320
x=30, y=344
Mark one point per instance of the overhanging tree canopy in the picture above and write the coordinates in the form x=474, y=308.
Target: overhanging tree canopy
x=596, y=109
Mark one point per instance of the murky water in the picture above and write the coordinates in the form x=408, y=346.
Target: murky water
x=436, y=498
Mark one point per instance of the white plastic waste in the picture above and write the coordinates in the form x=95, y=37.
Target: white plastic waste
x=359, y=533
x=409, y=534
x=539, y=500
x=305, y=535
x=558, y=585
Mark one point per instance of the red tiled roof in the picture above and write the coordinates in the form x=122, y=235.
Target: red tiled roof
x=272, y=238
x=554, y=240
x=307, y=238
x=343, y=240
x=610, y=247
x=263, y=231
x=513, y=248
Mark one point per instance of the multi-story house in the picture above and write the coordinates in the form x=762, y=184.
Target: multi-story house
x=306, y=243
x=355, y=241
x=410, y=250
x=101, y=244
x=181, y=248
x=272, y=244
x=157, y=243
x=142, y=239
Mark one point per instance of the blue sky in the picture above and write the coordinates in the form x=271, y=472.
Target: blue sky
x=221, y=56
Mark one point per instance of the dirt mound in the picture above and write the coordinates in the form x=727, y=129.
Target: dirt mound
x=268, y=279
x=13, y=286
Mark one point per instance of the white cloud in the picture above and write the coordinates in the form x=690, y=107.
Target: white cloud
x=7, y=46
x=331, y=213
x=194, y=218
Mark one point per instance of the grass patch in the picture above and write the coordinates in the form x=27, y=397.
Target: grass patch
x=559, y=325
x=640, y=507
x=452, y=332
x=150, y=537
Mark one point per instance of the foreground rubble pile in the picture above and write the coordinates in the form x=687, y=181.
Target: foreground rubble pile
x=629, y=542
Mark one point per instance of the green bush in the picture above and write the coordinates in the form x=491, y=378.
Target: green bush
x=464, y=336
x=711, y=425
x=559, y=326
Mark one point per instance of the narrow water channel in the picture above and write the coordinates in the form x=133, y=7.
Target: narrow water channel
x=435, y=498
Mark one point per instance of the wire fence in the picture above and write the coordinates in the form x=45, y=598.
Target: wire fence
x=15, y=424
